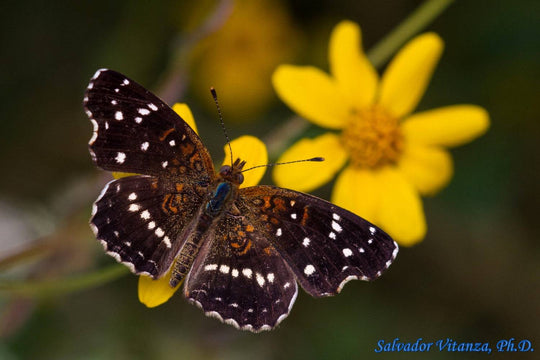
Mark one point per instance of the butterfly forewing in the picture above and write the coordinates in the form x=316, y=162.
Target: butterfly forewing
x=323, y=244
x=136, y=132
x=240, y=278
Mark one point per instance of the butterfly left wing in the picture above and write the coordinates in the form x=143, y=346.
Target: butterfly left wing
x=239, y=278
x=324, y=245
x=136, y=132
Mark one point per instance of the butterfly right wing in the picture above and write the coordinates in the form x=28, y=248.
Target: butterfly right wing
x=324, y=245
x=140, y=220
x=136, y=132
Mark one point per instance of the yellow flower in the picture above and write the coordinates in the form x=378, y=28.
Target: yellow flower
x=389, y=156
x=156, y=292
x=240, y=57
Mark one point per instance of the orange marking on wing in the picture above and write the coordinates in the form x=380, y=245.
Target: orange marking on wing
x=305, y=216
x=179, y=187
x=165, y=134
x=249, y=228
x=236, y=245
x=178, y=198
x=187, y=148
x=266, y=202
x=279, y=204
x=268, y=250
x=246, y=248
x=164, y=205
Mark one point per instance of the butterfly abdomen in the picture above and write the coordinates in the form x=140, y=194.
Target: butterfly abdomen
x=212, y=209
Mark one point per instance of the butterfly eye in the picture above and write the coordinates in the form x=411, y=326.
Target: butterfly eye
x=239, y=178
x=225, y=170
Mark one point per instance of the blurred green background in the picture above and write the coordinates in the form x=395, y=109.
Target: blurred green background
x=475, y=278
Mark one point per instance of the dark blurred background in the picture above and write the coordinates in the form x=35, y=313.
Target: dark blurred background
x=475, y=278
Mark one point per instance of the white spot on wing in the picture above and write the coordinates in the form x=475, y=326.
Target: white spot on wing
x=145, y=215
x=347, y=252
x=210, y=267
x=159, y=232
x=152, y=107
x=125, y=82
x=270, y=277
x=247, y=272
x=260, y=279
x=278, y=232
x=309, y=269
x=234, y=272
x=336, y=216
x=164, y=164
x=143, y=111
x=138, y=119
x=167, y=242
x=132, y=196
x=144, y=146
x=306, y=242
x=134, y=207
x=336, y=226
x=224, y=269
x=151, y=225
x=120, y=157
x=293, y=216
x=172, y=143
x=332, y=235
x=372, y=230
x=118, y=115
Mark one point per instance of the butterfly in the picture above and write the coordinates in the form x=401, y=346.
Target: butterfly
x=241, y=252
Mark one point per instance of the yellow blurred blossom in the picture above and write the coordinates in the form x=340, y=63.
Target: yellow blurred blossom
x=389, y=156
x=240, y=57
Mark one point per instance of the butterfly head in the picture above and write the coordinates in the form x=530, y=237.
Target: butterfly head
x=233, y=173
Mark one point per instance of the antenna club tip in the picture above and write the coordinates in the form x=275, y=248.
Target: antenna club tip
x=213, y=91
x=318, y=158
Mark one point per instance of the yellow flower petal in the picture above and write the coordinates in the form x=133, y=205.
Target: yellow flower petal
x=185, y=113
x=356, y=190
x=429, y=169
x=153, y=293
x=400, y=211
x=118, y=175
x=447, y=126
x=306, y=176
x=312, y=94
x=350, y=65
x=408, y=75
x=253, y=152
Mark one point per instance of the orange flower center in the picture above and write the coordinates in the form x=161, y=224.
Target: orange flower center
x=373, y=138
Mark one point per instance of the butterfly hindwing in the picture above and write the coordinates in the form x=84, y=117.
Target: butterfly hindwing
x=136, y=132
x=139, y=220
x=240, y=278
x=323, y=244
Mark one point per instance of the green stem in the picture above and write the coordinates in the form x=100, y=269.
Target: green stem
x=412, y=25
x=58, y=287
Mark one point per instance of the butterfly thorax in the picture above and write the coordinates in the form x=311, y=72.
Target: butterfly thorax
x=219, y=200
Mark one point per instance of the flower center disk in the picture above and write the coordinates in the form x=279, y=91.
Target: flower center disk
x=372, y=138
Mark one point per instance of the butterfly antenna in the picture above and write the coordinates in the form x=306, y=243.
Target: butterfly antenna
x=315, y=159
x=214, y=95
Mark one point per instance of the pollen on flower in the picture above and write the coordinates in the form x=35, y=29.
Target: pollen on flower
x=373, y=138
